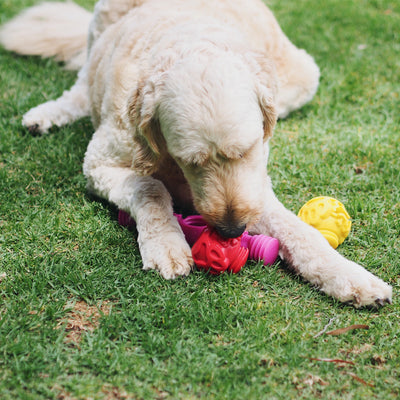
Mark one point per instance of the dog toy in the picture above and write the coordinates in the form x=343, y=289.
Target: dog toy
x=216, y=254
x=212, y=252
x=329, y=216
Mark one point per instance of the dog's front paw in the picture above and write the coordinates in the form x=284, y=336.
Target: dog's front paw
x=169, y=254
x=356, y=285
x=38, y=119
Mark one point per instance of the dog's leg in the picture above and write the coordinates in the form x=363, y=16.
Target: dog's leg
x=310, y=255
x=161, y=241
x=72, y=105
x=298, y=76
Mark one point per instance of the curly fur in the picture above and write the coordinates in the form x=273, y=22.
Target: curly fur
x=184, y=96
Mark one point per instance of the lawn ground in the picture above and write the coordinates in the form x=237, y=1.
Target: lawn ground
x=79, y=319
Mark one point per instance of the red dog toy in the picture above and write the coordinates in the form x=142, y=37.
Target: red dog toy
x=216, y=254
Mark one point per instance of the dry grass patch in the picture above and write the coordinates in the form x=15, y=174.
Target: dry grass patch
x=82, y=318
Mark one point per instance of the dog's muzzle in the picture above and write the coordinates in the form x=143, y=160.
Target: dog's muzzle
x=227, y=231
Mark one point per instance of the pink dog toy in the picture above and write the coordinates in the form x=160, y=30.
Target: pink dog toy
x=211, y=251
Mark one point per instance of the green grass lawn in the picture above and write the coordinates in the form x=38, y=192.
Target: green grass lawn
x=79, y=319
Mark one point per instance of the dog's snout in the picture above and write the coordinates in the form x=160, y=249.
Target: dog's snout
x=228, y=231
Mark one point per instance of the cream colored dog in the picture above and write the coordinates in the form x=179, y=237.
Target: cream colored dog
x=184, y=96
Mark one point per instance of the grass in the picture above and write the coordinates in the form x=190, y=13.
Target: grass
x=81, y=320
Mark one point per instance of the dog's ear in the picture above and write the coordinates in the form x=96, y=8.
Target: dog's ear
x=147, y=139
x=266, y=87
x=268, y=110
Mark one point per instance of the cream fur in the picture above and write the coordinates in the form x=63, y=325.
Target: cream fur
x=184, y=95
x=50, y=30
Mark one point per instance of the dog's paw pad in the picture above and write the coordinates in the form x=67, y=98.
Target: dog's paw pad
x=382, y=302
x=34, y=129
x=368, y=290
x=36, y=121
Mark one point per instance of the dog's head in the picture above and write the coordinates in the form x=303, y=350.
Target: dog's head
x=214, y=117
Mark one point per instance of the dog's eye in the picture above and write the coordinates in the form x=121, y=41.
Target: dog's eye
x=195, y=160
x=193, y=165
x=231, y=156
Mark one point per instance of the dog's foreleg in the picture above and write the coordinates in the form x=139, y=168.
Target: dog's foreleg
x=311, y=256
x=72, y=105
x=161, y=241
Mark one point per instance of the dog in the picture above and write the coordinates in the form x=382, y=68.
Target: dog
x=184, y=96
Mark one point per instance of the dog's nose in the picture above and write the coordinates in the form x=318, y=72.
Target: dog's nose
x=227, y=231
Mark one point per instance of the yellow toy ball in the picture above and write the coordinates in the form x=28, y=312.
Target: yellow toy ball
x=329, y=216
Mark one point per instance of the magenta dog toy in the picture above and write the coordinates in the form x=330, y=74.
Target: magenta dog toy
x=261, y=247
x=192, y=227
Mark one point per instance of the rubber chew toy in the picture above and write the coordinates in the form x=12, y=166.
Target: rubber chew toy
x=216, y=254
x=212, y=252
x=329, y=216
x=192, y=227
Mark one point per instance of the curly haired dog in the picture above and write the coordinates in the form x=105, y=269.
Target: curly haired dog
x=184, y=96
